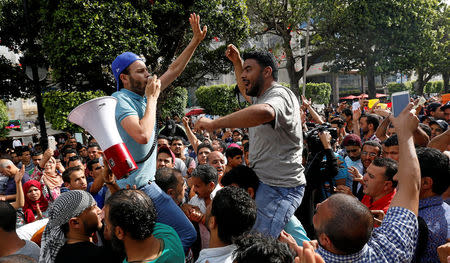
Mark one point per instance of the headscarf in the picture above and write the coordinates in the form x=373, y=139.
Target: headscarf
x=52, y=180
x=31, y=206
x=67, y=205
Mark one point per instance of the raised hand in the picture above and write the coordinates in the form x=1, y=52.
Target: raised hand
x=204, y=124
x=19, y=175
x=355, y=174
x=153, y=87
x=199, y=34
x=406, y=121
x=232, y=53
x=185, y=121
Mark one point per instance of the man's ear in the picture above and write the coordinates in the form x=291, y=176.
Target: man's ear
x=426, y=183
x=211, y=185
x=267, y=72
x=387, y=185
x=74, y=223
x=325, y=241
x=251, y=192
x=123, y=77
x=212, y=223
x=120, y=234
x=171, y=192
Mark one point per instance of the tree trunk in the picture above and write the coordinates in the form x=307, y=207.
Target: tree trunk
x=371, y=79
x=294, y=77
x=419, y=82
x=446, y=78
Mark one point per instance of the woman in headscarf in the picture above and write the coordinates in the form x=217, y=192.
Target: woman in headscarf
x=35, y=204
x=51, y=179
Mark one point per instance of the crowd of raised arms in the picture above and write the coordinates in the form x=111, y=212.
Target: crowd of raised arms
x=276, y=181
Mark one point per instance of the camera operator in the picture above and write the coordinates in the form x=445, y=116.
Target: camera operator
x=321, y=170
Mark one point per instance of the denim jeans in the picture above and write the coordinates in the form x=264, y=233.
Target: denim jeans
x=170, y=214
x=275, y=207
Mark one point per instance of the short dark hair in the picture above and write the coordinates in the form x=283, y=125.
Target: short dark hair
x=257, y=248
x=177, y=138
x=204, y=145
x=243, y=176
x=264, y=59
x=425, y=128
x=233, y=151
x=350, y=225
x=167, y=178
x=133, y=211
x=391, y=168
x=206, y=173
x=222, y=144
x=36, y=153
x=374, y=144
x=391, y=141
x=435, y=165
x=347, y=112
x=69, y=150
x=126, y=71
x=7, y=217
x=90, y=163
x=234, y=211
x=94, y=144
x=68, y=172
x=75, y=158
x=372, y=119
x=246, y=146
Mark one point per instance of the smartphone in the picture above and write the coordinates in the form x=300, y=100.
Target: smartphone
x=399, y=101
x=51, y=143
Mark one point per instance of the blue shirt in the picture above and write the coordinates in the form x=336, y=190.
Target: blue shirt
x=132, y=104
x=431, y=209
x=394, y=241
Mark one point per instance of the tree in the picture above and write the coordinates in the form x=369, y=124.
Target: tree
x=82, y=37
x=285, y=19
x=58, y=105
x=3, y=120
x=318, y=92
x=174, y=103
x=372, y=36
x=217, y=99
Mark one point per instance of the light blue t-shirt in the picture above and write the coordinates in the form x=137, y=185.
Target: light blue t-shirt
x=128, y=104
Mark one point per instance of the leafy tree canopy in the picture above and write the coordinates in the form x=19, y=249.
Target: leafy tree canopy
x=3, y=119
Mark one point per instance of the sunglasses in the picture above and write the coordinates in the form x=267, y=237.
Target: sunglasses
x=353, y=150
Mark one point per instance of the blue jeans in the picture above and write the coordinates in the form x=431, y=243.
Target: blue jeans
x=170, y=214
x=275, y=207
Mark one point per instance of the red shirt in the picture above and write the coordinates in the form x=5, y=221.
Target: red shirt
x=381, y=204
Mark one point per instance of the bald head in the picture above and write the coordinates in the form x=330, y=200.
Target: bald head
x=347, y=223
x=7, y=167
x=217, y=160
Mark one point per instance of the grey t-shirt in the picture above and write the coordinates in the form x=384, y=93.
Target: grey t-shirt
x=30, y=249
x=275, y=151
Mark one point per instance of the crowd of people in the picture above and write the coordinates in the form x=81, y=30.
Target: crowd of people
x=276, y=181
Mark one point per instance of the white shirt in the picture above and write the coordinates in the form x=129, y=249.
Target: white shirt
x=217, y=255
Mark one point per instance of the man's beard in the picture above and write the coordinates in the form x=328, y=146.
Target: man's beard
x=254, y=90
x=137, y=87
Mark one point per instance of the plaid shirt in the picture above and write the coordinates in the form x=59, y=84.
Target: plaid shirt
x=394, y=241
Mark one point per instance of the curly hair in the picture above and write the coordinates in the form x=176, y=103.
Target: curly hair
x=133, y=211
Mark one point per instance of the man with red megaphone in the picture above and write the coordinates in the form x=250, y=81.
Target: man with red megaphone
x=136, y=121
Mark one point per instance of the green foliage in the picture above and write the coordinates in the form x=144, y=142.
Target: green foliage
x=217, y=99
x=434, y=87
x=318, y=92
x=58, y=105
x=395, y=87
x=347, y=92
x=175, y=103
x=3, y=119
x=13, y=81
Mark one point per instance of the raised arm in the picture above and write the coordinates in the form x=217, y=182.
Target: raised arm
x=191, y=136
x=233, y=55
x=311, y=110
x=441, y=142
x=180, y=63
x=20, y=196
x=408, y=175
x=381, y=130
x=355, y=121
x=141, y=129
x=251, y=116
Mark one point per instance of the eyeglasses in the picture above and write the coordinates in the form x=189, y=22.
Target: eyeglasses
x=370, y=154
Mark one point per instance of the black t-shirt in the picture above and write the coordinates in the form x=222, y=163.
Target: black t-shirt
x=80, y=252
